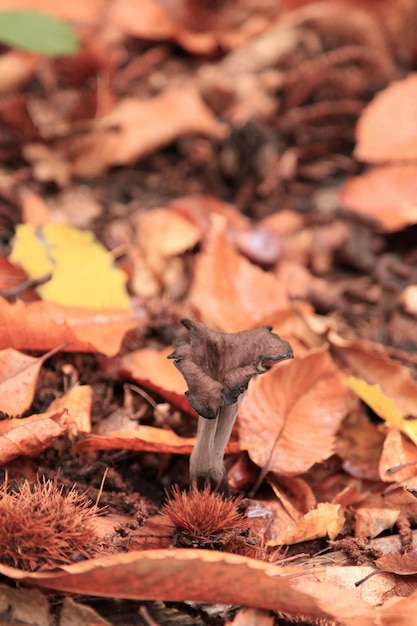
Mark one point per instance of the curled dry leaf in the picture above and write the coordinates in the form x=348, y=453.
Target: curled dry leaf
x=248, y=295
x=152, y=369
x=30, y=436
x=387, y=128
x=204, y=576
x=326, y=519
x=18, y=375
x=290, y=415
x=43, y=326
x=135, y=128
x=144, y=439
x=386, y=194
x=397, y=563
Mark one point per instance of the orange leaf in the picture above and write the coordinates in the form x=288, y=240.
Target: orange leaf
x=203, y=576
x=326, y=519
x=30, y=436
x=144, y=439
x=43, y=326
x=387, y=194
x=153, y=370
x=290, y=415
x=387, y=128
x=77, y=403
x=369, y=363
x=18, y=376
x=142, y=127
x=230, y=293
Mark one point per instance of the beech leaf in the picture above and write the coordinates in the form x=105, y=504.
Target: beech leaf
x=383, y=406
x=82, y=269
x=326, y=519
x=290, y=415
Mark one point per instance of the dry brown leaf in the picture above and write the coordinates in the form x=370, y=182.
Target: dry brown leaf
x=369, y=363
x=144, y=439
x=359, y=445
x=397, y=451
x=400, y=613
x=152, y=369
x=326, y=519
x=397, y=563
x=150, y=20
x=77, y=404
x=43, y=326
x=290, y=415
x=248, y=295
x=204, y=576
x=18, y=376
x=387, y=128
x=30, y=436
x=386, y=194
x=136, y=127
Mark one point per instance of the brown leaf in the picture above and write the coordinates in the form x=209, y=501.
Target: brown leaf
x=397, y=563
x=386, y=194
x=400, y=613
x=368, y=362
x=43, y=326
x=144, y=439
x=290, y=415
x=136, y=127
x=248, y=295
x=152, y=369
x=203, y=576
x=30, y=436
x=387, y=128
x=397, y=451
x=326, y=519
x=18, y=375
x=77, y=404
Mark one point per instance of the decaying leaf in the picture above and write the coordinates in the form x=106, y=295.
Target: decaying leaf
x=42, y=326
x=29, y=436
x=326, y=519
x=290, y=415
x=18, y=376
x=249, y=296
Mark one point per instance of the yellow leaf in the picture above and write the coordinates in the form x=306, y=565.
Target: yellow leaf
x=383, y=406
x=326, y=519
x=83, y=274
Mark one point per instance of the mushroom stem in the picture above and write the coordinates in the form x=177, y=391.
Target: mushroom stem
x=206, y=461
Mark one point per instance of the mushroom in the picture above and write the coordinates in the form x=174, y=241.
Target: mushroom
x=217, y=368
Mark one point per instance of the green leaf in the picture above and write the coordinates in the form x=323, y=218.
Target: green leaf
x=37, y=32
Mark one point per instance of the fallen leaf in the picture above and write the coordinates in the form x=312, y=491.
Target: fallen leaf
x=326, y=519
x=386, y=194
x=152, y=369
x=289, y=417
x=143, y=439
x=151, y=20
x=18, y=376
x=43, y=326
x=387, y=128
x=248, y=295
x=29, y=436
x=77, y=405
x=135, y=128
x=203, y=576
x=398, y=461
x=400, y=613
x=83, y=273
x=397, y=563
x=367, y=361
x=383, y=406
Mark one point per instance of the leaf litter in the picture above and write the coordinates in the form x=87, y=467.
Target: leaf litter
x=242, y=165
